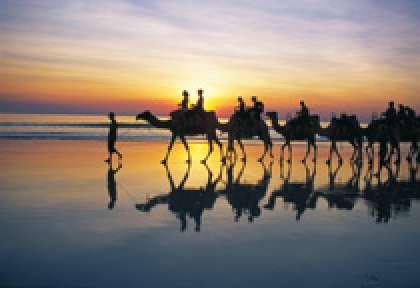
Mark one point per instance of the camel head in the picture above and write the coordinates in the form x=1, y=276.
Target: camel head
x=144, y=116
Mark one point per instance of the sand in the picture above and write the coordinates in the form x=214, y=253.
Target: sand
x=58, y=230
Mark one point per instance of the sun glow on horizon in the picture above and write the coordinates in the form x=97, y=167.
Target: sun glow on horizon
x=128, y=55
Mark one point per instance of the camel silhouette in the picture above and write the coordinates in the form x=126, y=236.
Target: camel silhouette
x=345, y=128
x=181, y=127
x=378, y=131
x=294, y=130
x=239, y=128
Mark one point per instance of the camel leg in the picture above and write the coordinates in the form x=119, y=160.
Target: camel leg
x=289, y=146
x=410, y=153
x=210, y=141
x=340, y=159
x=383, y=151
x=282, y=151
x=171, y=144
x=370, y=149
x=271, y=149
x=397, y=148
x=315, y=151
x=222, y=156
x=187, y=148
x=331, y=152
x=235, y=154
x=265, y=152
x=241, y=145
x=308, y=151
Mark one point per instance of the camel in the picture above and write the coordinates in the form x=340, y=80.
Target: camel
x=346, y=128
x=182, y=127
x=239, y=129
x=294, y=131
x=379, y=131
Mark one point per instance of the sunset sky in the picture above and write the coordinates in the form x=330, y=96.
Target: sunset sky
x=128, y=56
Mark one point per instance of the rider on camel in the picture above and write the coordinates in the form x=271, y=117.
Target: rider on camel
x=257, y=108
x=241, y=105
x=303, y=114
x=410, y=114
x=199, y=106
x=184, y=104
x=390, y=114
x=240, y=109
x=401, y=115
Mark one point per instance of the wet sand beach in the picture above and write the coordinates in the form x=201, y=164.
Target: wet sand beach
x=265, y=229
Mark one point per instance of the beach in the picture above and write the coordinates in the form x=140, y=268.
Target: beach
x=59, y=230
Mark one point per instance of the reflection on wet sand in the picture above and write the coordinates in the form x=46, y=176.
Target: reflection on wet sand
x=385, y=199
x=112, y=184
x=185, y=202
x=299, y=193
x=244, y=198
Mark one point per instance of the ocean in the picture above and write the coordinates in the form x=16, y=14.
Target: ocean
x=86, y=127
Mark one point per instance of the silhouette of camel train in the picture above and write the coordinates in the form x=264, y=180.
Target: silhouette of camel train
x=247, y=122
x=385, y=200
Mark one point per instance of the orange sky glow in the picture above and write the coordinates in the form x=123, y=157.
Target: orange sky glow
x=128, y=56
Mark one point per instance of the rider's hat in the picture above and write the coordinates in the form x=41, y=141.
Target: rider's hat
x=111, y=114
x=185, y=92
x=254, y=98
x=200, y=91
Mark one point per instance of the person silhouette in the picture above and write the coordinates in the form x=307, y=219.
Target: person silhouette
x=257, y=107
x=200, y=101
x=112, y=185
x=240, y=109
x=401, y=115
x=112, y=138
x=241, y=105
x=184, y=103
x=390, y=114
x=304, y=111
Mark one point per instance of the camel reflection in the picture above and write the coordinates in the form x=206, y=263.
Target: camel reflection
x=301, y=194
x=342, y=195
x=385, y=199
x=391, y=197
x=386, y=196
x=244, y=198
x=186, y=202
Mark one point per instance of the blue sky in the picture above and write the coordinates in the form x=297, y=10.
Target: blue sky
x=325, y=52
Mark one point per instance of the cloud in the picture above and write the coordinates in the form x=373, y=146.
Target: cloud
x=305, y=47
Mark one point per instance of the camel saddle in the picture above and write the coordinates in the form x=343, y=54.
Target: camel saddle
x=192, y=119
